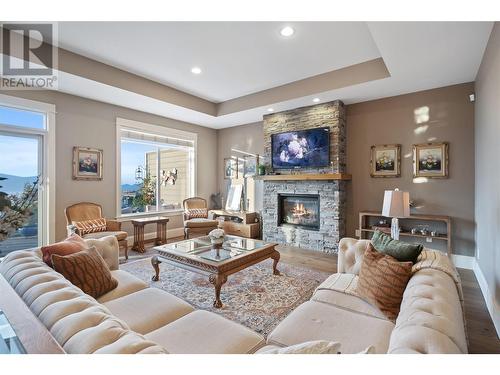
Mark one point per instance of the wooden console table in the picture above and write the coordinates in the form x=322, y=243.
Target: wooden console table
x=243, y=224
x=161, y=231
x=368, y=219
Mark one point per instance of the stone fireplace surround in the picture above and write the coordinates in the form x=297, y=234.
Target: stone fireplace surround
x=331, y=192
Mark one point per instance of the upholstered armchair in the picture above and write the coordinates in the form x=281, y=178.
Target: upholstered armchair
x=196, y=221
x=86, y=220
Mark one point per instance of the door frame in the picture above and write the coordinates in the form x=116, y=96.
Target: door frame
x=47, y=158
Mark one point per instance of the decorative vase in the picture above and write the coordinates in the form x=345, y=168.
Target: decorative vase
x=262, y=170
x=217, y=241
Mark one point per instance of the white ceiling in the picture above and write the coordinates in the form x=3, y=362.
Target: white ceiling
x=238, y=59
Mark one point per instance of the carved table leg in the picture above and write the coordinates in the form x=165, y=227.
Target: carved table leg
x=138, y=238
x=276, y=258
x=161, y=233
x=217, y=281
x=155, y=262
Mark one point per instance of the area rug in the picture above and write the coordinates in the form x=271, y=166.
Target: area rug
x=253, y=297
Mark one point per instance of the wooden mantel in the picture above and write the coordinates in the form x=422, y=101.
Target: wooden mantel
x=305, y=176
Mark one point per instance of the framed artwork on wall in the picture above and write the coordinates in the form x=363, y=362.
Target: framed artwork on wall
x=87, y=163
x=251, y=163
x=430, y=160
x=230, y=168
x=385, y=161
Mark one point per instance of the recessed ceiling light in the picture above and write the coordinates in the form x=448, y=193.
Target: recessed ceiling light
x=287, y=31
x=270, y=109
x=316, y=100
x=196, y=70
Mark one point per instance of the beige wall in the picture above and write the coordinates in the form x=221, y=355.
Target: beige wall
x=237, y=141
x=392, y=120
x=487, y=122
x=88, y=123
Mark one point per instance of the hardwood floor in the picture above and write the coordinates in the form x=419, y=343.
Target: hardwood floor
x=483, y=338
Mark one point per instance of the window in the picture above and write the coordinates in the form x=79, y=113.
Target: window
x=26, y=172
x=157, y=168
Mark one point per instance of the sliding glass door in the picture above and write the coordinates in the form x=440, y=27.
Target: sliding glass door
x=23, y=218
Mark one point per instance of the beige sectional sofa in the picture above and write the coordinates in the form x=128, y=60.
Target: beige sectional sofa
x=130, y=319
x=430, y=320
x=136, y=319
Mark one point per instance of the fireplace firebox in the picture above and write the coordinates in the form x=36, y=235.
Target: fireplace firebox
x=299, y=210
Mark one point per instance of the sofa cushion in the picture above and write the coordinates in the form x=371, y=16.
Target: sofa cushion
x=202, y=332
x=120, y=235
x=107, y=248
x=148, y=309
x=86, y=270
x=430, y=320
x=77, y=321
x=127, y=284
x=201, y=223
x=382, y=281
x=339, y=290
x=70, y=245
x=319, y=321
x=402, y=251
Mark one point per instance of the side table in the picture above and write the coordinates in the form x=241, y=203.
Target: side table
x=161, y=231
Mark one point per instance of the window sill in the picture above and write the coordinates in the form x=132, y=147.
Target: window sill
x=128, y=217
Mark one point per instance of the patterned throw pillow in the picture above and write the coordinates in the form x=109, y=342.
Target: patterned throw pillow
x=90, y=226
x=196, y=213
x=86, y=270
x=70, y=245
x=382, y=281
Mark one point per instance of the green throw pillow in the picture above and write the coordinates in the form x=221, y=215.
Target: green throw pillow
x=402, y=251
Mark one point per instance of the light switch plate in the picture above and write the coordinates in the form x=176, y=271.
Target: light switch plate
x=357, y=233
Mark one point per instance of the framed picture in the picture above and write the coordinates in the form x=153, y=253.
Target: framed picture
x=385, y=161
x=87, y=163
x=430, y=160
x=230, y=168
x=251, y=164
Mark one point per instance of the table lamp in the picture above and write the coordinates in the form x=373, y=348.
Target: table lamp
x=396, y=205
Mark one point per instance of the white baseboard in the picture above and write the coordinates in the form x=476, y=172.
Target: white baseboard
x=491, y=304
x=463, y=261
x=171, y=233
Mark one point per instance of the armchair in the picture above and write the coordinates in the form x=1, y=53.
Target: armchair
x=196, y=219
x=81, y=216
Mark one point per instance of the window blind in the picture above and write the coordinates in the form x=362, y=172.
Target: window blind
x=134, y=135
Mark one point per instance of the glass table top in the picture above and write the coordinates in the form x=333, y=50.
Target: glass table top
x=202, y=248
x=9, y=342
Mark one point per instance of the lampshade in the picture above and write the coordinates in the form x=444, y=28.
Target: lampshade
x=396, y=203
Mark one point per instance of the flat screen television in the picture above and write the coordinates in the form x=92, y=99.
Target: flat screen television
x=308, y=148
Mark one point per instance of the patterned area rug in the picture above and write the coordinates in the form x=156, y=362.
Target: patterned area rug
x=253, y=297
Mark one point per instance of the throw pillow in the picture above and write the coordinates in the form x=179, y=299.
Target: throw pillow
x=196, y=213
x=86, y=270
x=90, y=226
x=309, y=347
x=382, y=281
x=402, y=251
x=70, y=245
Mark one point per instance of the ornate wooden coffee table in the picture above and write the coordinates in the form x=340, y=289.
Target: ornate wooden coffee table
x=215, y=261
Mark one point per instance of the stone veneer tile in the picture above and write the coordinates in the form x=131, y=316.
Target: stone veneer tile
x=332, y=193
